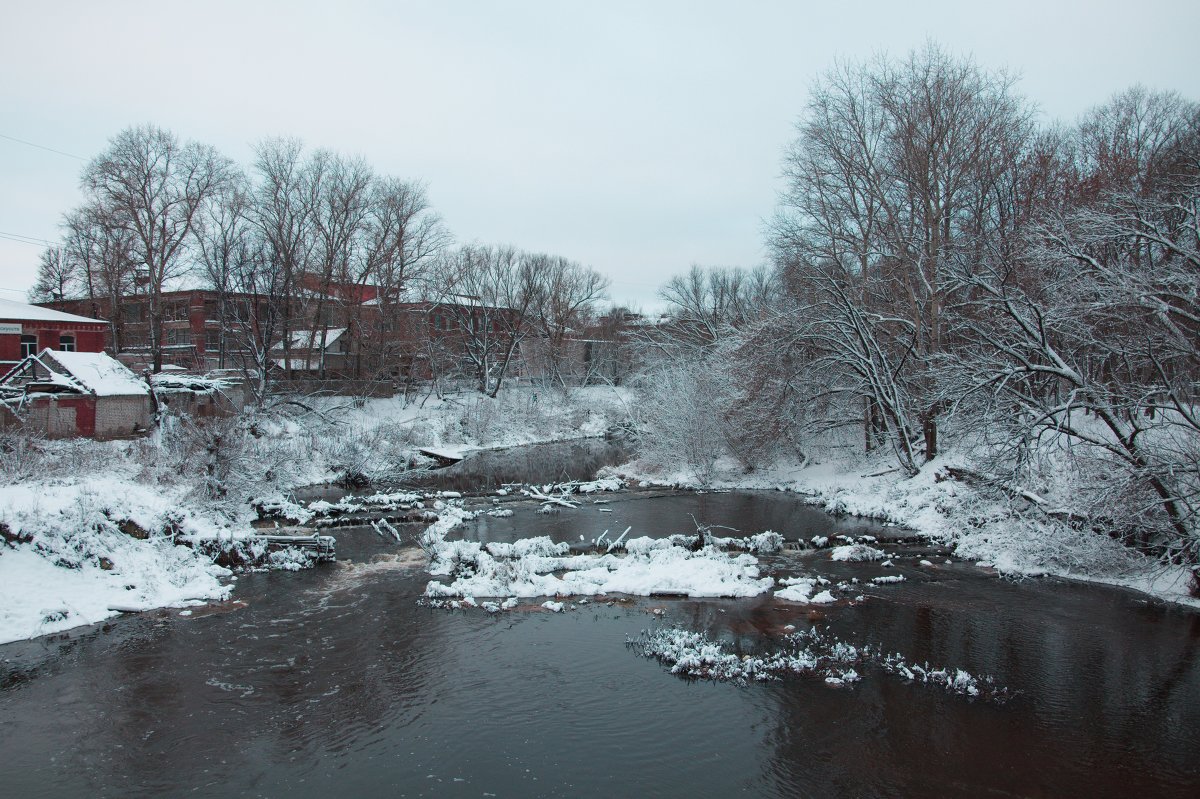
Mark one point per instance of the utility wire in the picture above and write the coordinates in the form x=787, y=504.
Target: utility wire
x=40, y=147
x=32, y=241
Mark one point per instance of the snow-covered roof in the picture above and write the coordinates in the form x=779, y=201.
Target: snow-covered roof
x=95, y=372
x=18, y=311
x=405, y=295
x=300, y=338
x=188, y=382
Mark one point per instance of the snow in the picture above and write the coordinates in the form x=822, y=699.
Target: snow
x=798, y=590
x=856, y=552
x=65, y=497
x=677, y=571
x=692, y=654
x=182, y=381
x=20, y=311
x=96, y=372
x=980, y=528
x=603, y=484
x=533, y=567
x=68, y=563
x=307, y=339
x=812, y=652
x=450, y=453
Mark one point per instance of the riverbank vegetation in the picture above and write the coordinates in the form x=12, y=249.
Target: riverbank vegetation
x=959, y=290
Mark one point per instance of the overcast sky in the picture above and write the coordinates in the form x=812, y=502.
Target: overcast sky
x=636, y=137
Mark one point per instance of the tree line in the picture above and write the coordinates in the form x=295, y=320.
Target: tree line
x=308, y=235
x=945, y=269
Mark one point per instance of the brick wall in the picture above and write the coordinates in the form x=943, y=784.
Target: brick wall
x=45, y=415
x=120, y=417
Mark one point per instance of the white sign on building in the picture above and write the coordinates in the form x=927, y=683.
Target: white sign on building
x=9, y=329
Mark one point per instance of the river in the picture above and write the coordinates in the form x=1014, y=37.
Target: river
x=335, y=681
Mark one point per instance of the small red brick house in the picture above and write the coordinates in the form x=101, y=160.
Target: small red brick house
x=62, y=394
x=28, y=329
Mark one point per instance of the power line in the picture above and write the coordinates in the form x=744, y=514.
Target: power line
x=14, y=291
x=32, y=241
x=40, y=147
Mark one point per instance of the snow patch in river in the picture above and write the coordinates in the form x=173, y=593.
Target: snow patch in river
x=539, y=567
x=812, y=652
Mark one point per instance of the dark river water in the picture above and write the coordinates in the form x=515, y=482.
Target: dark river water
x=335, y=682
x=556, y=461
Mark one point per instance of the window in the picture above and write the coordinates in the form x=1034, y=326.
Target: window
x=212, y=340
x=66, y=343
x=28, y=345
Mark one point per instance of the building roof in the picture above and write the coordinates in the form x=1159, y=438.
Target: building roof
x=91, y=372
x=305, y=340
x=22, y=311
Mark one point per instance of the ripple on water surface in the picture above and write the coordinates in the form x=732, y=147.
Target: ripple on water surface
x=336, y=681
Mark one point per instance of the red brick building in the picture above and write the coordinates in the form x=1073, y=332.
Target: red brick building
x=28, y=329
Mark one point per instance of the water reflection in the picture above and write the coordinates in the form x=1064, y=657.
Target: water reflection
x=336, y=681
x=1084, y=661
x=536, y=463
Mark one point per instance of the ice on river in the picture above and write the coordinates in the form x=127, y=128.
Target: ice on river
x=535, y=567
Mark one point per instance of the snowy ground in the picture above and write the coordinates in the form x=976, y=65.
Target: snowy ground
x=992, y=531
x=71, y=560
x=67, y=507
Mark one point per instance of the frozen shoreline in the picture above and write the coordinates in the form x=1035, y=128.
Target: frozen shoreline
x=979, y=529
x=99, y=536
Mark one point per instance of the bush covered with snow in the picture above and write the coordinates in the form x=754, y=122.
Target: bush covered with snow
x=79, y=553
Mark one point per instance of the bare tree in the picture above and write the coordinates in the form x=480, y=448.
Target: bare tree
x=1088, y=332
x=485, y=300
x=103, y=257
x=153, y=186
x=283, y=208
x=403, y=239
x=224, y=243
x=57, y=276
x=893, y=182
x=1122, y=143
x=341, y=188
x=567, y=295
x=707, y=304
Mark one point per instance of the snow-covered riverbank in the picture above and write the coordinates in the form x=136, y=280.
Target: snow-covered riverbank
x=91, y=529
x=78, y=553
x=1001, y=532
